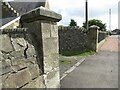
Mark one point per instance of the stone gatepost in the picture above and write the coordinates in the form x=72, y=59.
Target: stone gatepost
x=42, y=24
x=93, y=33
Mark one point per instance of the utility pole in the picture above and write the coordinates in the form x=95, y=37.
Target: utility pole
x=86, y=13
x=110, y=19
x=119, y=15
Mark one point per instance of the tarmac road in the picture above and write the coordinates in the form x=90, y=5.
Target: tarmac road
x=98, y=71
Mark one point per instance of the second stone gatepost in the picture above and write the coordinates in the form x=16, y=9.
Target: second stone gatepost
x=93, y=38
x=42, y=24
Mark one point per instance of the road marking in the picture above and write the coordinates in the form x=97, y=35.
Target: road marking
x=72, y=68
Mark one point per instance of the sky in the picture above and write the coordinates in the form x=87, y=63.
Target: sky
x=75, y=9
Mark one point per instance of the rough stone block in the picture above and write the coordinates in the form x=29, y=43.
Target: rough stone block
x=6, y=56
x=19, y=43
x=53, y=82
x=48, y=64
x=36, y=83
x=51, y=62
x=18, y=79
x=5, y=66
x=1, y=82
x=4, y=77
x=1, y=56
x=31, y=50
x=29, y=38
x=34, y=71
x=31, y=61
x=17, y=54
x=54, y=30
x=6, y=45
x=50, y=75
x=50, y=46
x=46, y=29
x=18, y=64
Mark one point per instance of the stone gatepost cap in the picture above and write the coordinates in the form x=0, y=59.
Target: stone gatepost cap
x=41, y=13
x=95, y=26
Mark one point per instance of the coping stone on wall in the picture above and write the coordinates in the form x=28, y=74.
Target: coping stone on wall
x=95, y=26
x=41, y=14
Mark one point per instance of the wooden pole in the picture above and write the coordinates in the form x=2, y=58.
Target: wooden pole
x=86, y=14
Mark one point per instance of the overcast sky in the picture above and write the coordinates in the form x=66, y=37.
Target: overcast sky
x=74, y=9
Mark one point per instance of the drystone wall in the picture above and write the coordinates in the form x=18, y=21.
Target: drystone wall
x=19, y=62
x=30, y=57
x=102, y=36
x=73, y=39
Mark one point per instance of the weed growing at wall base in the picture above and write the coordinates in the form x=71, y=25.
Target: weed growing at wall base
x=78, y=53
x=65, y=62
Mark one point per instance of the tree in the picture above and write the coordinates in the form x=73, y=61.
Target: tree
x=72, y=23
x=96, y=22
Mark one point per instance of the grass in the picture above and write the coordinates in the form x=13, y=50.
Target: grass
x=78, y=53
x=65, y=61
x=88, y=53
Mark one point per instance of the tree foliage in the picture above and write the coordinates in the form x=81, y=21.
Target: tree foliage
x=73, y=23
x=96, y=22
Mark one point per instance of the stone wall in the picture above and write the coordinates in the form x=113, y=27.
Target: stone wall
x=72, y=40
x=43, y=24
x=101, y=36
x=30, y=57
x=19, y=61
x=77, y=40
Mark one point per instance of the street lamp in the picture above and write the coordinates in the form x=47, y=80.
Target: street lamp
x=86, y=14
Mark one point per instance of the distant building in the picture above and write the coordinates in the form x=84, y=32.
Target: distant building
x=119, y=14
x=115, y=32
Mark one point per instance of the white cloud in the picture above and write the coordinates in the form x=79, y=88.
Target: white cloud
x=74, y=9
x=7, y=0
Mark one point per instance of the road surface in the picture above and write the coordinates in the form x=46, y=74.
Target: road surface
x=98, y=71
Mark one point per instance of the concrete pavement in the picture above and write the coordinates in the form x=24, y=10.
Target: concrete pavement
x=98, y=71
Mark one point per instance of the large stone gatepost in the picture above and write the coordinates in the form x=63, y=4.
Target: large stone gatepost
x=42, y=24
x=93, y=38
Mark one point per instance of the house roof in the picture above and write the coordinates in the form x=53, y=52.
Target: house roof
x=19, y=7
x=23, y=7
x=6, y=20
x=116, y=30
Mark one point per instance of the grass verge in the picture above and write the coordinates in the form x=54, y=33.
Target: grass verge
x=65, y=61
x=78, y=53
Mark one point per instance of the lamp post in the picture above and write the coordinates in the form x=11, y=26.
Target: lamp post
x=86, y=13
